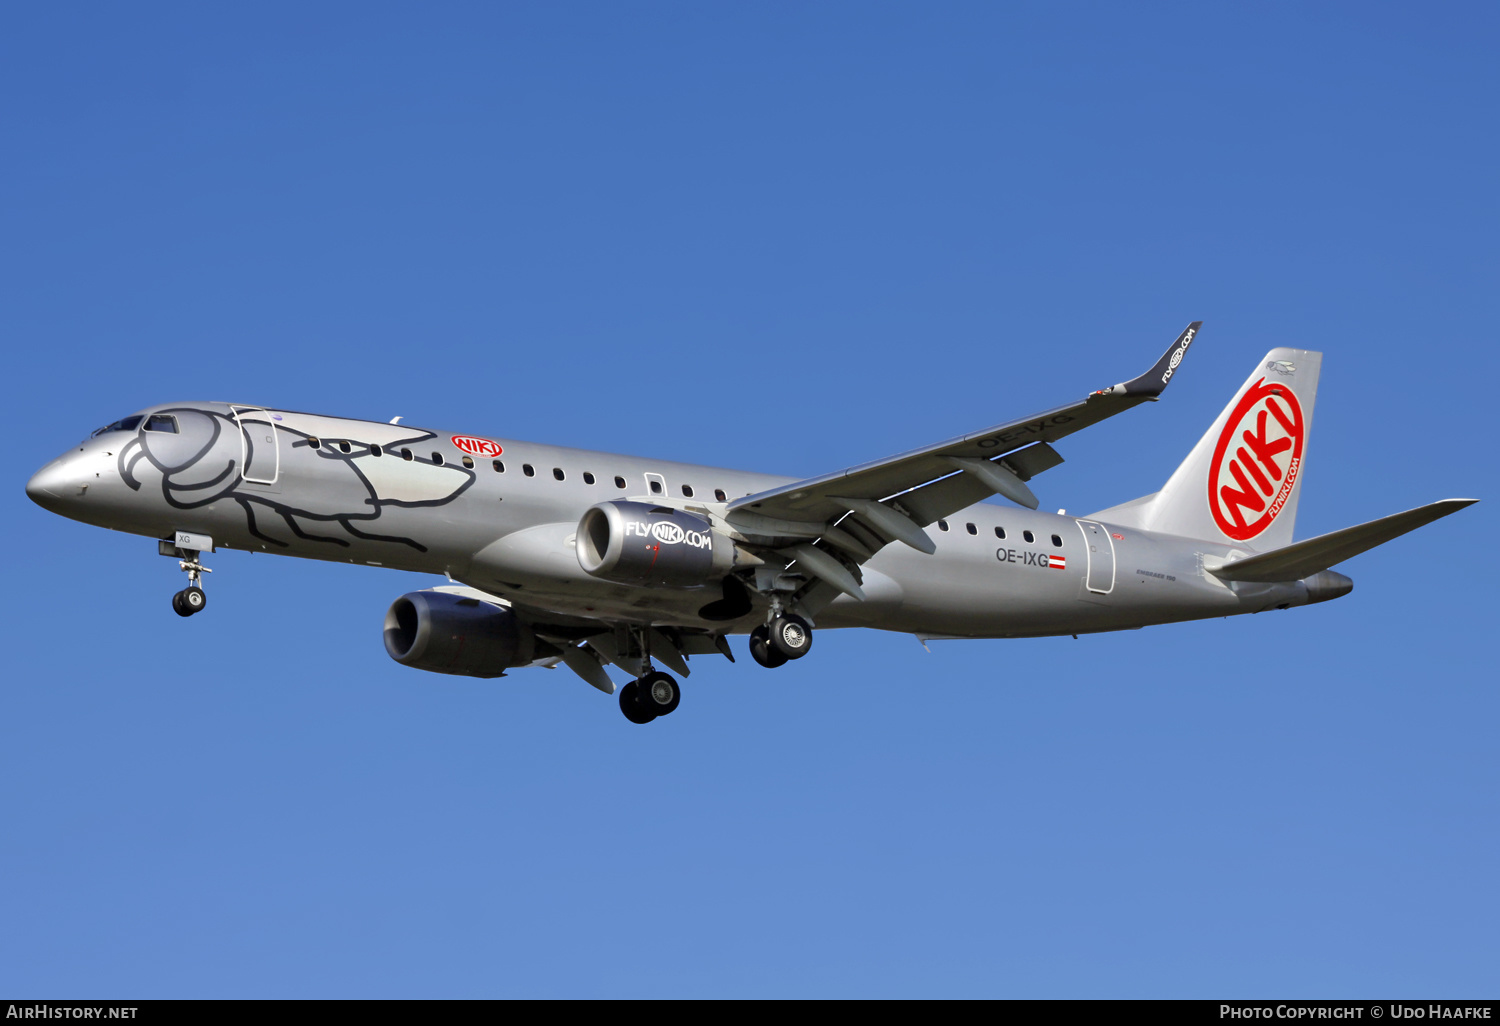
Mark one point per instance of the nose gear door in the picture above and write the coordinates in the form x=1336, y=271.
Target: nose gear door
x=260, y=456
x=1101, y=575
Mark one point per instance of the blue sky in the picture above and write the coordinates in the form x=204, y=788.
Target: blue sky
x=787, y=237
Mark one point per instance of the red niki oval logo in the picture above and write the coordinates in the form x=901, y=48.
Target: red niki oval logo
x=477, y=446
x=1257, y=460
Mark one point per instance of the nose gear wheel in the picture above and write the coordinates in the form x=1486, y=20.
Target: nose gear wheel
x=191, y=599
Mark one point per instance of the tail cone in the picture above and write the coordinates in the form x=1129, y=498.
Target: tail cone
x=1327, y=584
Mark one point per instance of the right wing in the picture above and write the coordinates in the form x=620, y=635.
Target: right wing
x=586, y=645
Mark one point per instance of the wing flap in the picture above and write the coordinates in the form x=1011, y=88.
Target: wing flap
x=933, y=502
x=583, y=662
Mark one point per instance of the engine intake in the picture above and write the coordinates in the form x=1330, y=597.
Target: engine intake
x=446, y=633
x=637, y=543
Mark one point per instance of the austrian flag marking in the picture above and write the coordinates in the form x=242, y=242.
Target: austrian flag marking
x=1057, y=562
x=477, y=446
x=1257, y=460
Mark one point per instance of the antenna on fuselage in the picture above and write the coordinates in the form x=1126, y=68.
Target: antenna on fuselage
x=395, y=420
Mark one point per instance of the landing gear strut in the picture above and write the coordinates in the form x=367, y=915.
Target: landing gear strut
x=191, y=599
x=786, y=637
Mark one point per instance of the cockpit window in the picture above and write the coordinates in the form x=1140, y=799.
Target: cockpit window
x=162, y=422
x=123, y=424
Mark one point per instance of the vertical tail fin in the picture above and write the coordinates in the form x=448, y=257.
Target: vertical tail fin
x=1242, y=480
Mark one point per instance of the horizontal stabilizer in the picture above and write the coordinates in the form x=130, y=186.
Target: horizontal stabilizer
x=1304, y=558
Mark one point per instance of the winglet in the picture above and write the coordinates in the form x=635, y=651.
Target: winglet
x=1154, y=382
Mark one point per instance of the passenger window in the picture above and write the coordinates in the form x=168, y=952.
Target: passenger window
x=971, y=528
x=344, y=446
x=313, y=443
x=375, y=450
x=1000, y=533
x=437, y=459
x=499, y=467
x=469, y=462
x=655, y=487
x=619, y=481
x=687, y=491
x=162, y=422
x=528, y=470
x=719, y=494
x=942, y=525
x=406, y=454
x=588, y=478
x=1028, y=536
x=1056, y=541
x=557, y=473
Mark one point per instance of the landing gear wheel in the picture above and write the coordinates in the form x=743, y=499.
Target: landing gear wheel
x=631, y=705
x=659, y=693
x=761, y=650
x=791, y=636
x=189, y=601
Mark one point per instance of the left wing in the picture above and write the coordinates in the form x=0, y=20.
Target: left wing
x=830, y=525
x=997, y=460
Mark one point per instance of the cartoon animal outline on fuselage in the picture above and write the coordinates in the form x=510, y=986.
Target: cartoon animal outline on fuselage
x=204, y=460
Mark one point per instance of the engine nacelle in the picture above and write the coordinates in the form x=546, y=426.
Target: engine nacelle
x=638, y=543
x=447, y=633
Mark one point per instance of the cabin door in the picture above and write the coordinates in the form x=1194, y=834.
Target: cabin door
x=1101, y=552
x=260, y=456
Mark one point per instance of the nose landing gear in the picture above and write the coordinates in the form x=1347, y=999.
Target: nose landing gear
x=191, y=599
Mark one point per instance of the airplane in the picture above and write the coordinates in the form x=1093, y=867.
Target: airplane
x=590, y=559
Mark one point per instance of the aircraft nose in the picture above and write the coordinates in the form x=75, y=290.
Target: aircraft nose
x=55, y=484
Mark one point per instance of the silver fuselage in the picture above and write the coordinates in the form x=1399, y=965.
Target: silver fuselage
x=306, y=485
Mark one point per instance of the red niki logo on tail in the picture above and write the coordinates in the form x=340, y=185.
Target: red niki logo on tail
x=1257, y=460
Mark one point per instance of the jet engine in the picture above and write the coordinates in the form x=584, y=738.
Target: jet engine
x=637, y=543
x=447, y=633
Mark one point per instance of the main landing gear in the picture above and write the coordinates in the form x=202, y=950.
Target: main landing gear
x=655, y=694
x=786, y=637
x=191, y=599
